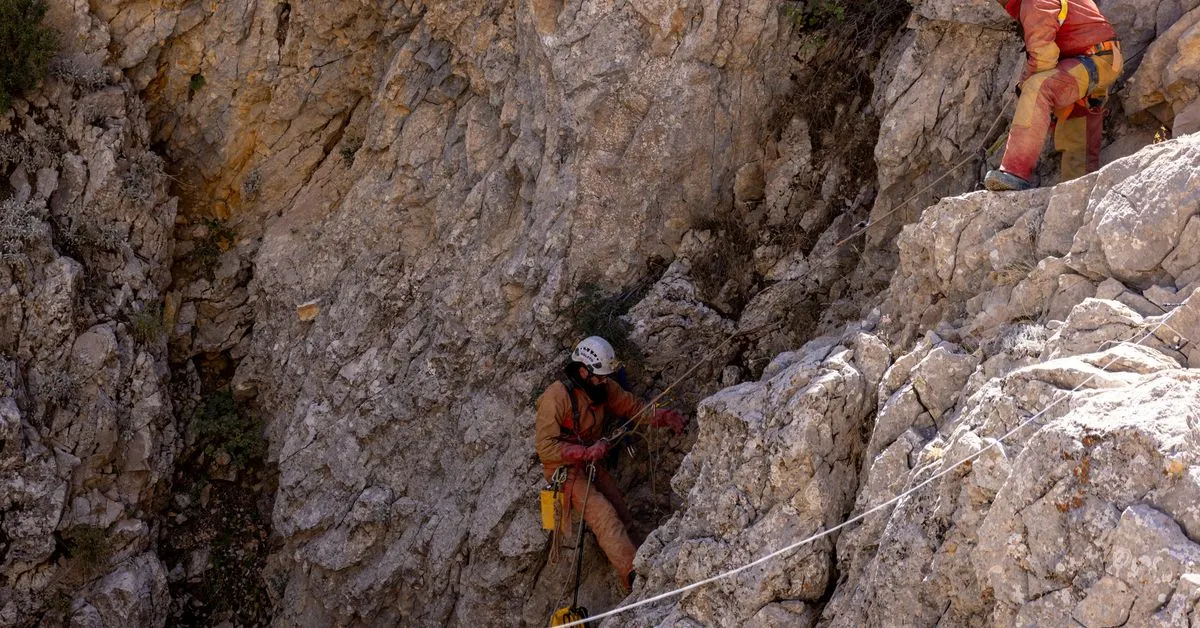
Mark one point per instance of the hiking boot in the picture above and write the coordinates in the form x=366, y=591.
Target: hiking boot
x=1001, y=181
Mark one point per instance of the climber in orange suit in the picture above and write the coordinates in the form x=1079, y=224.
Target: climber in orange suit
x=1073, y=58
x=571, y=433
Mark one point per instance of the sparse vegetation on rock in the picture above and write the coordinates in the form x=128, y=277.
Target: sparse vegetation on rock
x=28, y=47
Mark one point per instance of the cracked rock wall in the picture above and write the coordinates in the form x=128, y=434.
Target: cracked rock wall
x=86, y=421
x=434, y=179
x=415, y=193
x=1084, y=511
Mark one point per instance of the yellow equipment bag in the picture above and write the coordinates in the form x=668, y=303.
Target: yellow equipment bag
x=554, y=501
x=550, y=497
x=564, y=616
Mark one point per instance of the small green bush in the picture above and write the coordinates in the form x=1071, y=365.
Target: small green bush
x=88, y=545
x=141, y=177
x=350, y=149
x=195, y=83
x=26, y=48
x=844, y=18
x=80, y=73
x=41, y=151
x=58, y=605
x=221, y=425
x=207, y=251
x=814, y=14
x=146, y=325
x=595, y=312
x=59, y=387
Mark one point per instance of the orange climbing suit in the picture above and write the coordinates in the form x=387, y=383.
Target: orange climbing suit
x=606, y=513
x=1057, y=82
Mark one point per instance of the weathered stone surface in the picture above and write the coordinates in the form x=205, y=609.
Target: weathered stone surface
x=87, y=424
x=441, y=178
x=938, y=376
x=672, y=319
x=973, y=259
x=134, y=594
x=998, y=528
x=1119, y=431
x=774, y=460
x=979, y=12
x=1167, y=82
x=1116, y=451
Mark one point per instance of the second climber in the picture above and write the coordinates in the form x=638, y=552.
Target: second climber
x=1073, y=59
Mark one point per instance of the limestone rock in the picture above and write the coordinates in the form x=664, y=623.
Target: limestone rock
x=442, y=177
x=976, y=258
x=1167, y=83
x=671, y=320
x=938, y=375
x=981, y=12
x=1114, y=450
x=775, y=460
x=996, y=528
x=135, y=594
x=88, y=429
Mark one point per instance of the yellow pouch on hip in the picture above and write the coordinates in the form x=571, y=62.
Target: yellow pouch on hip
x=552, y=501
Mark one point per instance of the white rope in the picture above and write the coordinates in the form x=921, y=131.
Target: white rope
x=886, y=504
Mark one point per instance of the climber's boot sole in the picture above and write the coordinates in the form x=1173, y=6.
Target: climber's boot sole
x=1001, y=181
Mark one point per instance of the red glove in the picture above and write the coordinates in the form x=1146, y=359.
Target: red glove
x=664, y=417
x=584, y=453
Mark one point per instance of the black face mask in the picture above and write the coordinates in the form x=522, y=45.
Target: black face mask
x=598, y=394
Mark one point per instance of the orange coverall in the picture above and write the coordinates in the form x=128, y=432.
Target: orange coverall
x=606, y=513
x=1055, y=80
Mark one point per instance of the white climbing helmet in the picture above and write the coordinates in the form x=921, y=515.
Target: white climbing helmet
x=595, y=353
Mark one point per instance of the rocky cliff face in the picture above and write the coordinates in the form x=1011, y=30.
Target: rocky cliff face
x=394, y=216
x=88, y=429
x=1085, y=510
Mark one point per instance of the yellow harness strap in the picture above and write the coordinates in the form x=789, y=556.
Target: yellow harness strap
x=1062, y=13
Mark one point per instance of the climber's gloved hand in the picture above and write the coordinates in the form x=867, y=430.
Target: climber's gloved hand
x=665, y=417
x=597, y=451
x=585, y=453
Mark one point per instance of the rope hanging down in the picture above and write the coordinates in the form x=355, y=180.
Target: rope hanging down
x=883, y=505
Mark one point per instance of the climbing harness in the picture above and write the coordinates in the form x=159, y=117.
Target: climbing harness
x=570, y=386
x=1095, y=101
x=576, y=614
